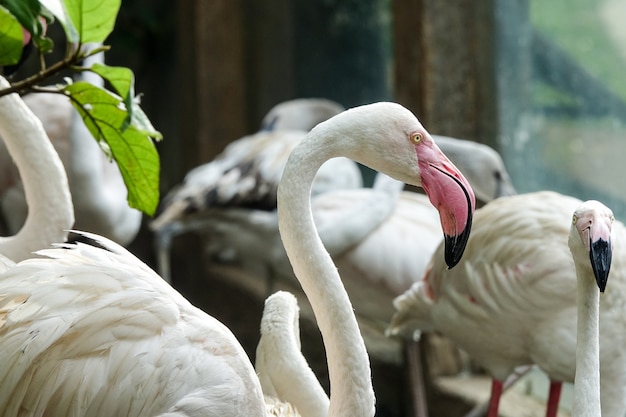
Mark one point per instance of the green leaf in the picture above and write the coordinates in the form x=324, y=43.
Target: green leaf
x=104, y=115
x=11, y=38
x=58, y=9
x=92, y=19
x=123, y=82
x=121, y=79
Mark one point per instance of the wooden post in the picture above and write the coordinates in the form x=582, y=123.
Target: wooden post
x=446, y=55
x=212, y=83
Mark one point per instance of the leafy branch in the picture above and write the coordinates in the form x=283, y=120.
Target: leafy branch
x=69, y=62
x=114, y=118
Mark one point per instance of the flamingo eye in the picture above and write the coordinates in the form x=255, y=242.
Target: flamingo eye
x=416, y=138
x=574, y=219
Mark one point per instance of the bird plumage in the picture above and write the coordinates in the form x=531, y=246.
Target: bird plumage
x=101, y=322
x=283, y=370
x=381, y=239
x=512, y=299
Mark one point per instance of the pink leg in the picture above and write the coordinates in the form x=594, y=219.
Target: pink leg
x=494, y=402
x=553, y=399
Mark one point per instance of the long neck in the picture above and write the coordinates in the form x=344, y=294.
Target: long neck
x=50, y=210
x=351, y=390
x=282, y=369
x=587, y=380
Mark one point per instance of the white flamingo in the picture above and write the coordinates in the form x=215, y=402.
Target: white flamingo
x=300, y=114
x=98, y=320
x=591, y=243
x=282, y=369
x=408, y=154
x=511, y=300
x=50, y=212
x=97, y=187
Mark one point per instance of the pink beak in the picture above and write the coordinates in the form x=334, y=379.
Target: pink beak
x=451, y=194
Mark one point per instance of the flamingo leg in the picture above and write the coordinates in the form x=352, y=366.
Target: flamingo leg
x=496, y=393
x=553, y=398
x=416, y=378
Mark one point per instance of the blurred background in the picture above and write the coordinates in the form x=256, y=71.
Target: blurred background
x=541, y=82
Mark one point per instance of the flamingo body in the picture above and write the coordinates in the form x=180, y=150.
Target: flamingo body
x=100, y=321
x=512, y=299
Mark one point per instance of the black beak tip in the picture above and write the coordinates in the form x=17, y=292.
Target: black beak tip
x=600, y=256
x=455, y=246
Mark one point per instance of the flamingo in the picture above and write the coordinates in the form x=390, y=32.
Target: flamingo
x=590, y=239
x=115, y=339
x=482, y=166
x=511, y=300
x=50, y=212
x=408, y=148
x=300, y=114
x=97, y=188
x=283, y=371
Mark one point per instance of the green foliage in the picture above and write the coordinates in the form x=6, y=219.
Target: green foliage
x=91, y=20
x=11, y=38
x=104, y=114
x=122, y=80
x=115, y=119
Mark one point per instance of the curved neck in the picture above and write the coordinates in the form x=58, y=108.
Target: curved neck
x=282, y=369
x=586, y=400
x=50, y=210
x=351, y=390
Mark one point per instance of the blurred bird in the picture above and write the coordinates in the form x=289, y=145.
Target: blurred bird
x=246, y=174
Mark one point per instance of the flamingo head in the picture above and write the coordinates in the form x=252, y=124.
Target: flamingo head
x=410, y=155
x=450, y=193
x=593, y=223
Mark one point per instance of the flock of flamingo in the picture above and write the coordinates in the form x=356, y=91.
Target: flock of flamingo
x=87, y=329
